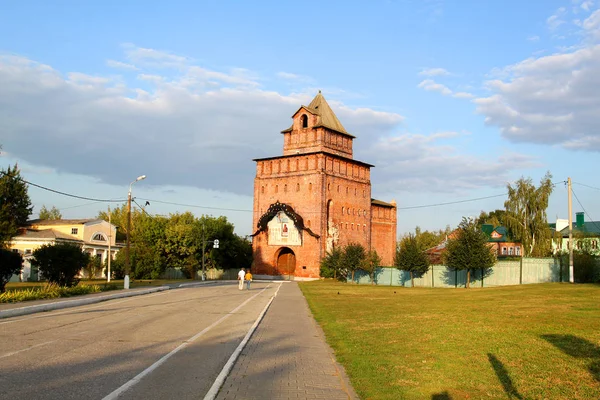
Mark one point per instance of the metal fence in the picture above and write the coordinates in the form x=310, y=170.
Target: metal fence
x=524, y=271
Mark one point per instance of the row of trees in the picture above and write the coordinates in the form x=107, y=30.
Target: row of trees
x=340, y=262
x=178, y=241
x=467, y=250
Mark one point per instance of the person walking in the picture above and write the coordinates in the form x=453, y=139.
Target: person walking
x=248, y=279
x=241, y=276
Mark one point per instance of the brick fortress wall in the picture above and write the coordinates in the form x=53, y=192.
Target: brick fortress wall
x=318, y=178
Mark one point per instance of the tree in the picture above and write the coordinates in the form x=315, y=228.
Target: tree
x=15, y=205
x=52, y=214
x=469, y=250
x=93, y=266
x=411, y=257
x=370, y=264
x=526, y=215
x=354, y=254
x=118, y=217
x=11, y=263
x=60, y=263
x=332, y=265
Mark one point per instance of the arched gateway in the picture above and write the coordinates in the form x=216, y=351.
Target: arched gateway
x=286, y=263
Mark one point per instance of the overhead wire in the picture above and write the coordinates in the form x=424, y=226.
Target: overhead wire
x=586, y=213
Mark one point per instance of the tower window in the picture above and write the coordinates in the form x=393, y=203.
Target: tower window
x=310, y=187
x=304, y=121
x=285, y=188
x=297, y=187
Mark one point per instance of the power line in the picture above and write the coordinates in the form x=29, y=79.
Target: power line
x=146, y=212
x=451, y=202
x=588, y=186
x=194, y=205
x=586, y=213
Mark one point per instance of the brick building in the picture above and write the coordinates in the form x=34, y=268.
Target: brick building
x=315, y=197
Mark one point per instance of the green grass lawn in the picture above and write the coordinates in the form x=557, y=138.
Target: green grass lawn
x=514, y=342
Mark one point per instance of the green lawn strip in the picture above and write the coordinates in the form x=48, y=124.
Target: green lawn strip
x=532, y=341
x=113, y=284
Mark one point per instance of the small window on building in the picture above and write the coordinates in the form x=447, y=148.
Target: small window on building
x=518, y=250
x=297, y=187
x=27, y=252
x=304, y=120
x=594, y=244
x=310, y=187
x=285, y=188
x=100, y=237
x=329, y=187
x=347, y=189
x=276, y=188
x=579, y=245
x=504, y=251
x=355, y=191
x=364, y=228
x=74, y=231
x=308, y=223
x=352, y=226
x=365, y=213
x=338, y=188
x=343, y=210
x=511, y=251
x=262, y=190
x=15, y=250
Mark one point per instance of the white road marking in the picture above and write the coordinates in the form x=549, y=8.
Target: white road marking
x=29, y=348
x=214, y=389
x=164, y=358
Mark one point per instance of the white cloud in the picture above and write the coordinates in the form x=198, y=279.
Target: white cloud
x=201, y=128
x=121, y=65
x=551, y=100
x=554, y=21
x=534, y=38
x=153, y=58
x=430, y=85
x=434, y=72
x=412, y=162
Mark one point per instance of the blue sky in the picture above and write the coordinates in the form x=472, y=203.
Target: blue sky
x=450, y=100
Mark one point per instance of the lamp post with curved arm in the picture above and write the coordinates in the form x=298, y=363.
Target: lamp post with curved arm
x=127, y=264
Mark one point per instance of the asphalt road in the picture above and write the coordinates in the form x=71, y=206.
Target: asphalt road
x=167, y=345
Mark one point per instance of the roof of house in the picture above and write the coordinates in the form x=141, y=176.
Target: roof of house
x=591, y=228
x=60, y=221
x=50, y=234
x=326, y=117
x=382, y=203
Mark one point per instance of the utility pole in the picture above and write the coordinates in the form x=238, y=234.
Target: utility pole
x=109, y=253
x=571, y=272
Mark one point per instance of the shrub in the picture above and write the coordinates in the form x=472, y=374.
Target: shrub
x=50, y=291
x=60, y=263
x=11, y=263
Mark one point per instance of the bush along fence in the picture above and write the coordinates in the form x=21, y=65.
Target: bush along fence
x=523, y=271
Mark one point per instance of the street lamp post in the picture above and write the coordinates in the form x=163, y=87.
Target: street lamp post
x=127, y=264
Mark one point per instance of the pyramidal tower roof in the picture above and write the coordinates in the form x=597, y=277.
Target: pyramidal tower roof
x=326, y=115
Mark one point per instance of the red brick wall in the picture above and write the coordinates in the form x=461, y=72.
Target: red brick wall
x=383, y=233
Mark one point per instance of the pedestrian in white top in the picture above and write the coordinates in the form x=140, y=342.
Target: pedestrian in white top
x=241, y=275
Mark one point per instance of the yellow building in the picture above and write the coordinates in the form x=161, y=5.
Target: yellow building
x=93, y=235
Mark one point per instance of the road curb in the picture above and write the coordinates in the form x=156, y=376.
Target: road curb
x=16, y=312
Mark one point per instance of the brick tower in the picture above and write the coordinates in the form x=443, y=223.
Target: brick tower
x=316, y=197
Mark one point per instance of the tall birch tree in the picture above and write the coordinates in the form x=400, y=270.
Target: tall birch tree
x=526, y=215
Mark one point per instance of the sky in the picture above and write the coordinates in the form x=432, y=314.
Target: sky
x=450, y=100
